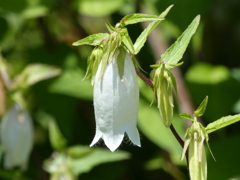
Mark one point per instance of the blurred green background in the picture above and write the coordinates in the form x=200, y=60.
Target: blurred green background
x=42, y=31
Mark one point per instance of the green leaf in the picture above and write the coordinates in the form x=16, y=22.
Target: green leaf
x=143, y=36
x=136, y=18
x=34, y=73
x=186, y=116
x=96, y=157
x=57, y=140
x=127, y=40
x=79, y=151
x=222, y=122
x=96, y=8
x=93, y=40
x=75, y=87
x=120, y=62
x=175, y=52
x=201, y=109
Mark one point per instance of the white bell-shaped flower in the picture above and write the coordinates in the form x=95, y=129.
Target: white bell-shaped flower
x=116, y=104
x=16, y=135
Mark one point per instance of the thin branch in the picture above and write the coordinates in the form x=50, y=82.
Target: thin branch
x=146, y=80
x=179, y=139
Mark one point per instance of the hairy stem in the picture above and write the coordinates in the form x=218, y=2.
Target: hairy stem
x=146, y=80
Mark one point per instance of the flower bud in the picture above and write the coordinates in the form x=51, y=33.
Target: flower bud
x=163, y=87
x=194, y=141
x=16, y=136
x=116, y=103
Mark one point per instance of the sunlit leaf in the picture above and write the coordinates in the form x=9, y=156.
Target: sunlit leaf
x=202, y=107
x=186, y=116
x=136, y=18
x=57, y=140
x=175, y=52
x=222, y=122
x=93, y=40
x=143, y=36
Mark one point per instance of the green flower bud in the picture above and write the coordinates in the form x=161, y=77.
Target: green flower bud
x=163, y=86
x=194, y=142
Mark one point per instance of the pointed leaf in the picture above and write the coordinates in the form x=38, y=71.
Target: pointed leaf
x=57, y=140
x=127, y=40
x=143, y=36
x=93, y=40
x=201, y=109
x=221, y=123
x=136, y=18
x=186, y=116
x=95, y=157
x=34, y=73
x=176, y=51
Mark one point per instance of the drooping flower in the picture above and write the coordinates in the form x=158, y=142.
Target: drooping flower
x=116, y=104
x=16, y=137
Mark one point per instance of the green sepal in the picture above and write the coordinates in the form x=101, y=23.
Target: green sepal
x=93, y=63
x=109, y=27
x=174, y=83
x=93, y=40
x=186, y=144
x=175, y=52
x=127, y=40
x=202, y=107
x=136, y=18
x=174, y=65
x=120, y=62
x=58, y=142
x=109, y=50
x=143, y=36
x=186, y=116
x=222, y=122
x=205, y=134
x=154, y=66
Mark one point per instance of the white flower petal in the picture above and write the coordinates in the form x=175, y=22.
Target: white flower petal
x=116, y=105
x=16, y=137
